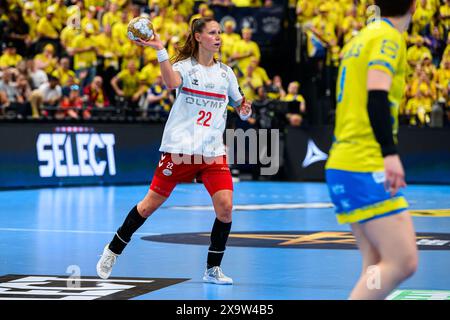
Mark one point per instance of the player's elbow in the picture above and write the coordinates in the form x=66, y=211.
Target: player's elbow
x=172, y=84
x=171, y=87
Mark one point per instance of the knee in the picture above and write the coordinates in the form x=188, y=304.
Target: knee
x=410, y=265
x=407, y=266
x=224, y=210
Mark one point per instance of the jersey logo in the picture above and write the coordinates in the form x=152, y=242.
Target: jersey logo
x=379, y=177
x=192, y=71
x=389, y=48
x=161, y=162
x=195, y=82
x=338, y=189
x=203, y=94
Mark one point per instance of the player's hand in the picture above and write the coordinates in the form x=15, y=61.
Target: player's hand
x=245, y=110
x=155, y=42
x=395, y=175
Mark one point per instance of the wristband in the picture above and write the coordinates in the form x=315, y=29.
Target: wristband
x=162, y=55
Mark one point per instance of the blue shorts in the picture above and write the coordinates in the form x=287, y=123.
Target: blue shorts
x=361, y=196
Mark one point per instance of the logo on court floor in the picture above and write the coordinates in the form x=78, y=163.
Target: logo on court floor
x=419, y=295
x=296, y=239
x=22, y=287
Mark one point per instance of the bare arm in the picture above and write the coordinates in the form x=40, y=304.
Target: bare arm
x=80, y=50
x=115, y=86
x=378, y=80
x=302, y=107
x=139, y=92
x=154, y=98
x=171, y=78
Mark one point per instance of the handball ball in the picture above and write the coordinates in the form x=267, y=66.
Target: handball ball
x=140, y=28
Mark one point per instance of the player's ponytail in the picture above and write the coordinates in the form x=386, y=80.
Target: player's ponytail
x=190, y=47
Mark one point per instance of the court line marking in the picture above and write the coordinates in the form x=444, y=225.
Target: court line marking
x=255, y=207
x=71, y=231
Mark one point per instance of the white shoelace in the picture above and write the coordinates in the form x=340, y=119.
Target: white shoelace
x=217, y=271
x=109, y=261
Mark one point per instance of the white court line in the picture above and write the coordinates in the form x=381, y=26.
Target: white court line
x=254, y=207
x=48, y=278
x=73, y=231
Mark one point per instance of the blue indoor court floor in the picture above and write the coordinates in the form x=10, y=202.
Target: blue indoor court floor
x=285, y=244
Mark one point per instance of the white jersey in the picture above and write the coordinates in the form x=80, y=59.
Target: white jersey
x=198, y=117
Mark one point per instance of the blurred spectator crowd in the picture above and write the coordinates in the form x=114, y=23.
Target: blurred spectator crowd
x=329, y=24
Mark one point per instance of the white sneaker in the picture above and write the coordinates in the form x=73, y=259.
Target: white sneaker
x=216, y=276
x=106, y=262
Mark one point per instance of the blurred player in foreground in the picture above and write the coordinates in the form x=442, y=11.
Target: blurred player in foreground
x=364, y=172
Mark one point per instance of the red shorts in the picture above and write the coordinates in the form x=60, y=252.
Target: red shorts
x=213, y=172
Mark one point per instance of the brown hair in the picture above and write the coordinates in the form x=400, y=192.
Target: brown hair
x=190, y=47
x=395, y=8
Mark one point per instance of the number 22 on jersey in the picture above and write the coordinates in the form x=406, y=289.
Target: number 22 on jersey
x=204, y=118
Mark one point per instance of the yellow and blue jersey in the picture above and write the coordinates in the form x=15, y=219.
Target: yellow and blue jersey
x=379, y=46
x=355, y=168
